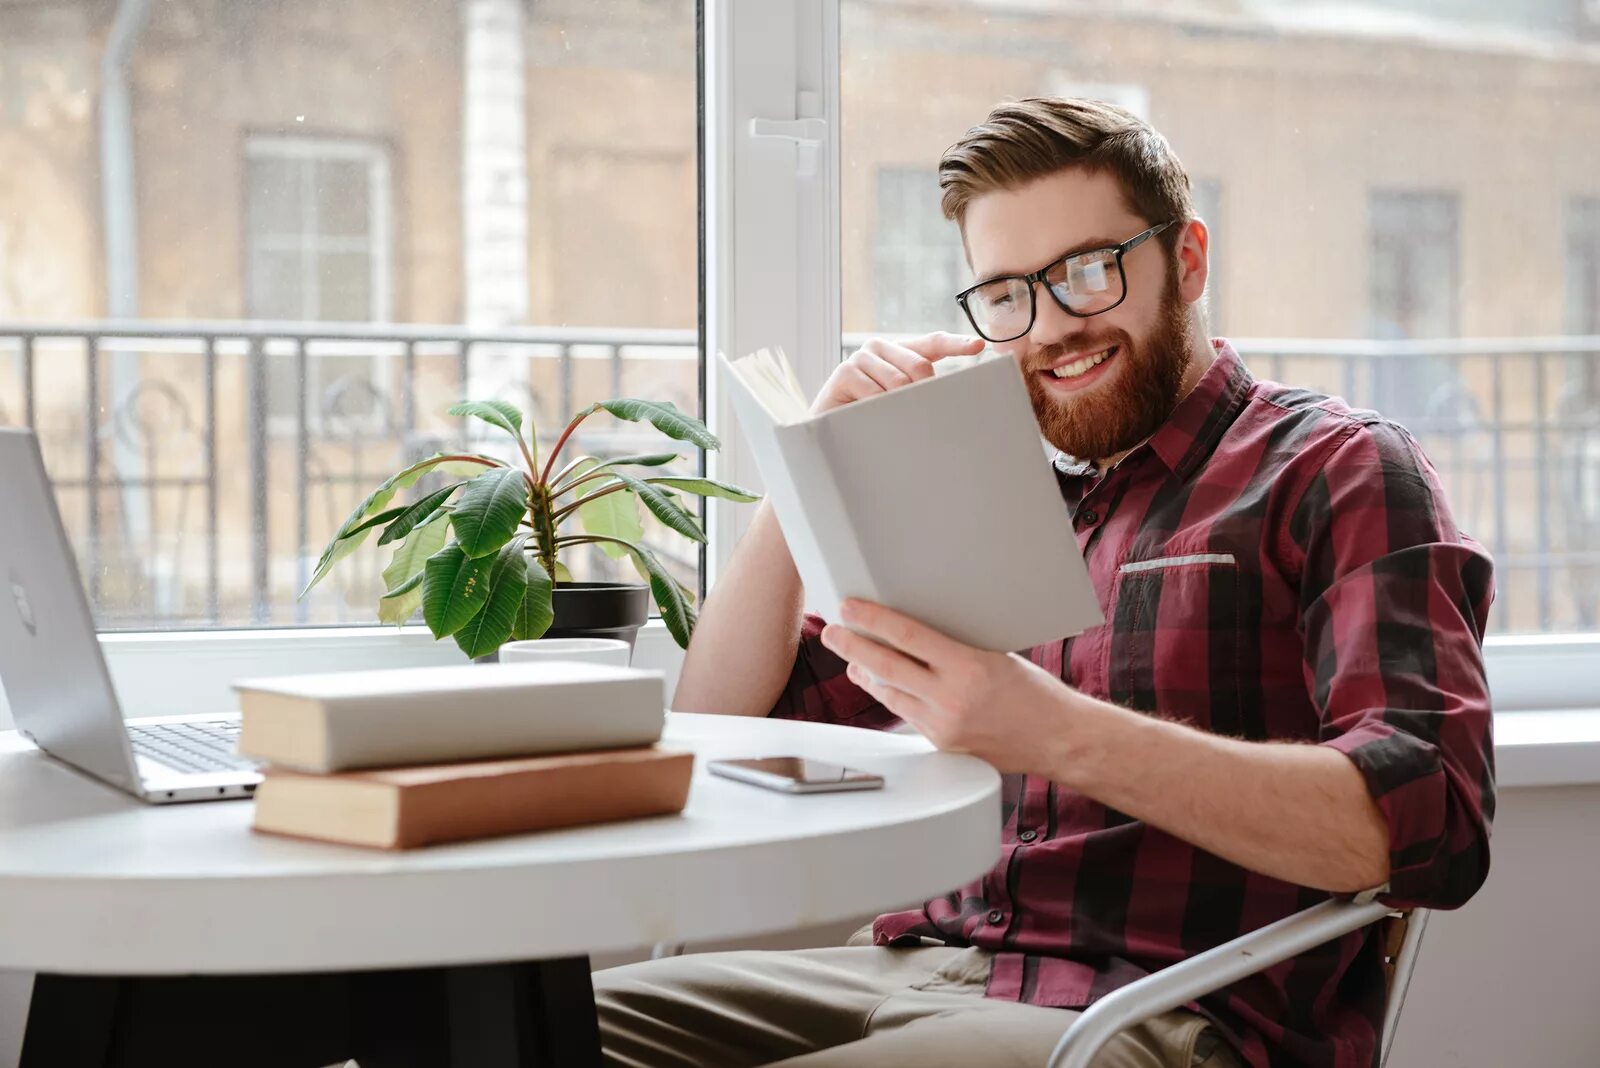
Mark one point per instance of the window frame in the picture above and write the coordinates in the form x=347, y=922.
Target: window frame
x=771, y=275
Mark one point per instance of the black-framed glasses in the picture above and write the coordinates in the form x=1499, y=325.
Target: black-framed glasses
x=1082, y=284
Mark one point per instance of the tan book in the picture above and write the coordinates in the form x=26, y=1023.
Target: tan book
x=402, y=808
x=341, y=720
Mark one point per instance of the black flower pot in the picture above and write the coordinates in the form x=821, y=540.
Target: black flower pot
x=599, y=610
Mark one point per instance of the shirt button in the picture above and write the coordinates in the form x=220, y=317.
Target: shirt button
x=1088, y=517
x=1027, y=836
x=996, y=916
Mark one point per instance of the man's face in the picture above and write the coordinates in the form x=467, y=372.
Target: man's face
x=1143, y=344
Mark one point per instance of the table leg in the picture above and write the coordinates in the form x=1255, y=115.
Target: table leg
x=537, y=1014
x=186, y=1021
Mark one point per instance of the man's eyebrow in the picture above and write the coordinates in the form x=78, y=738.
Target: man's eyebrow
x=1090, y=245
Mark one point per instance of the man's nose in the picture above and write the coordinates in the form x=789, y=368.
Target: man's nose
x=1051, y=325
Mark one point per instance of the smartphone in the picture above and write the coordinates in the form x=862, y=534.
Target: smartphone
x=796, y=775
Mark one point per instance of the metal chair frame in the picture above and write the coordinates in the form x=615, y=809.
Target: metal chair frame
x=1208, y=972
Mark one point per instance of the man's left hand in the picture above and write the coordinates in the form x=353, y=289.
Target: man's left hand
x=995, y=706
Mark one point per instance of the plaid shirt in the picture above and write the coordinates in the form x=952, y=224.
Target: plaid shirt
x=1272, y=565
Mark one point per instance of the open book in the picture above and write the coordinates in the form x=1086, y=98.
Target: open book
x=934, y=499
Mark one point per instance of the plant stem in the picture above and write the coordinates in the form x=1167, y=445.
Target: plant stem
x=544, y=528
x=562, y=441
x=566, y=510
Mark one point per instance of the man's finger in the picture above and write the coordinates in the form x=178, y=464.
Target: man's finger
x=881, y=371
x=901, y=631
x=914, y=365
x=939, y=344
x=908, y=706
x=888, y=665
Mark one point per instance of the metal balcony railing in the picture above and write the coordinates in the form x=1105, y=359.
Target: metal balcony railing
x=201, y=465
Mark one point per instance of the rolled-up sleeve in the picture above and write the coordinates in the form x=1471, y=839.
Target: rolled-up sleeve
x=819, y=690
x=1393, y=609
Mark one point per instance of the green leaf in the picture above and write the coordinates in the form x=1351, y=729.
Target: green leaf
x=672, y=514
x=427, y=538
x=665, y=417
x=409, y=518
x=376, y=521
x=346, y=539
x=454, y=589
x=489, y=510
x=616, y=515
x=653, y=459
x=537, y=610
x=402, y=602
x=502, y=414
x=706, y=487
x=562, y=574
x=677, y=611
x=508, y=588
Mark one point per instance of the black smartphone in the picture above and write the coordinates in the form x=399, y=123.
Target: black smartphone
x=796, y=775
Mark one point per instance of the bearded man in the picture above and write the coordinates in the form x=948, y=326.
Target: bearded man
x=1286, y=702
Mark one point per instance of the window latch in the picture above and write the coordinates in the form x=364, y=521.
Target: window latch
x=807, y=134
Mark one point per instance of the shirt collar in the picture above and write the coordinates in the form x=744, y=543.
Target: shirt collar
x=1192, y=430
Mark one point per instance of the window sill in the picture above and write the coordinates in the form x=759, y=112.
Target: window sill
x=1547, y=731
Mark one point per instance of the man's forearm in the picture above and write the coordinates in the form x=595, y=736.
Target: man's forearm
x=744, y=645
x=1300, y=813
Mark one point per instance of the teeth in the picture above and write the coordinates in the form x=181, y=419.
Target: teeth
x=1078, y=367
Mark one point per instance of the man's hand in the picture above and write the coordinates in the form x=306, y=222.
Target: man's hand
x=995, y=706
x=880, y=365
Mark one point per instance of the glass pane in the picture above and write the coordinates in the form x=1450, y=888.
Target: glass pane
x=419, y=172
x=1371, y=223
x=344, y=196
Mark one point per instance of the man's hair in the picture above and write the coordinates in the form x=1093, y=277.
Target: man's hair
x=1028, y=139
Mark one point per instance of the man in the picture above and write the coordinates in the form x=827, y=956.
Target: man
x=1287, y=699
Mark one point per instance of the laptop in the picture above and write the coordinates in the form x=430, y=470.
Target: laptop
x=55, y=677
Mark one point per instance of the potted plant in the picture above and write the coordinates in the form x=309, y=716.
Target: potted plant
x=482, y=554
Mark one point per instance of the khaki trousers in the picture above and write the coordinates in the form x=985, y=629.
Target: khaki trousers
x=856, y=1006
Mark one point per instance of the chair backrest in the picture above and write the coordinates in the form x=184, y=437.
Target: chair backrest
x=1400, y=936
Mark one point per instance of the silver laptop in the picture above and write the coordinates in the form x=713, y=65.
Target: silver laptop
x=55, y=677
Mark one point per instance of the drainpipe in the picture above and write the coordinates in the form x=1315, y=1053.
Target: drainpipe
x=120, y=221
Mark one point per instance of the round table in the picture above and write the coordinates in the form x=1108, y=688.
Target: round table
x=96, y=883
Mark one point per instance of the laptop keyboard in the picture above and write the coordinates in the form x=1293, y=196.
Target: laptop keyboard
x=198, y=747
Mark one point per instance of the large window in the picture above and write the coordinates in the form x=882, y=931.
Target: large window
x=1376, y=244
x=327, y=223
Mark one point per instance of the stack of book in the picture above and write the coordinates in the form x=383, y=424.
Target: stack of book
x=418, y=756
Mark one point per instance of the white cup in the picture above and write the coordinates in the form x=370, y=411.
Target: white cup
x=588, y=650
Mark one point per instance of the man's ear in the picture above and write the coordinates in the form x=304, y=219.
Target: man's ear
x=1194, y=260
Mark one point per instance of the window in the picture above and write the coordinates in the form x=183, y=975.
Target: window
x=918, y=262
x=1413, y=265
x=1207, y=195
x=1390, y=250
x=318, y=245
x=329, y=222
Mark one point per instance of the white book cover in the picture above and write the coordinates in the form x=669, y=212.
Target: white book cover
x=935, y=499
x=334, y=721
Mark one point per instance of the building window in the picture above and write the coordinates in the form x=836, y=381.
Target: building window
x=1413, y=283
x=1413, y=250
x=919, y=265
x=317, y=241
x=1582, y=312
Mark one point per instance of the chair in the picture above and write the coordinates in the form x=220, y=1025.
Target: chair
x=1214, y=969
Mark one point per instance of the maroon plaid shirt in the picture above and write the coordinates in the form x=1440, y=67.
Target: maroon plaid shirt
x=1272, y=565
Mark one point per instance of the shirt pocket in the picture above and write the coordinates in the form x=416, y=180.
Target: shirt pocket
x=1178, y=646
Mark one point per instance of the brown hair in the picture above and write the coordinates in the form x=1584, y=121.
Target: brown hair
x=1027, y=139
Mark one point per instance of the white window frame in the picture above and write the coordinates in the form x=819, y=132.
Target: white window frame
x=773, y=272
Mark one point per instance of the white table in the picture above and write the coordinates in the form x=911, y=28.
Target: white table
x=95, y=883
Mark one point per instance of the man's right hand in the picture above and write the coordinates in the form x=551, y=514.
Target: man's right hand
x=881, y=365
